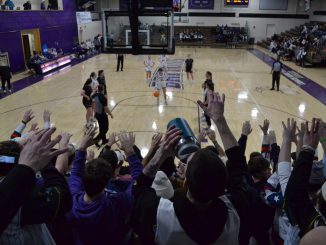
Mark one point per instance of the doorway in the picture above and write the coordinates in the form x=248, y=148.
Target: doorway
x=270, y=30
x=31, y=42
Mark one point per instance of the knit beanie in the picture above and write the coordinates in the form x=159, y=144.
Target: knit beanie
x=162, y=185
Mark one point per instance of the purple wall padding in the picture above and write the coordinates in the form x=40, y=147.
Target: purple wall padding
x=57, y=29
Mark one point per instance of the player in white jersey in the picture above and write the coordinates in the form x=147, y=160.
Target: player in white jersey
x=163, y=59
x=149, y=65
x=161, y=78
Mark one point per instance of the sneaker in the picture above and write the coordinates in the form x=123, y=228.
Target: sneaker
x=166, y=103
x=272, y=89
x=10, y=91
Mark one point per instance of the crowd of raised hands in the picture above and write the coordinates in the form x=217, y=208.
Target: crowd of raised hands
x=54, y=192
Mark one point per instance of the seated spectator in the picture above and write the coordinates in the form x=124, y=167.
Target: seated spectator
x=42, y=5
x=27, y=5
x=10, y=4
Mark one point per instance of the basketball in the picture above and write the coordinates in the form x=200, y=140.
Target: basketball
x=156, y=93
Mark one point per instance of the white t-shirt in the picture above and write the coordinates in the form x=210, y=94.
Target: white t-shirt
x=149, y=65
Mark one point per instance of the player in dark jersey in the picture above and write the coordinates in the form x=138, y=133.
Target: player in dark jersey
x=87, y=100
x=189, y=65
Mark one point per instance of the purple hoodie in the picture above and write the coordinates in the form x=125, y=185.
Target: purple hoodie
x=102, y=221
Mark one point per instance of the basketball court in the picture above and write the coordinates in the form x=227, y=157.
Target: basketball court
x=244, y=78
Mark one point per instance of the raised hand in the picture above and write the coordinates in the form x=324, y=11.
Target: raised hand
x=65, y=138
x=34, y=127
x=201, y=136
x=37, y=152
x=246, y=128
x=311, y=137
x=87, y=139
x=322, y=130
x=265, y=126
x=289, y=130
x=112, y=139
x=156, y=140
x=215, y=107
x=171, y=138
x=47, y=116
x=127, y=142
x=301, y=132
x=211, y=134
x=28, y=116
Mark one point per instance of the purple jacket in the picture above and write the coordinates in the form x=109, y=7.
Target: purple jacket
x=102, y=221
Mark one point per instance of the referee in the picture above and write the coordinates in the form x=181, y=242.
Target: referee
x=276, y=71
x=100, y=106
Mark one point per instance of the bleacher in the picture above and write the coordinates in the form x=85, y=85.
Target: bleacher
x=207, y=32
x=313, y=57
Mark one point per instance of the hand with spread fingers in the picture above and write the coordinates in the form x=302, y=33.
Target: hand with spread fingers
x=246, y=128
x=37, y=152
x=127, y=142
x=87, y=140
x=28, y=116
x=311, y=137
x=265, y=126
x=215, y=107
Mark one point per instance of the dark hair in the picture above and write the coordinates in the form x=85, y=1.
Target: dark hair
x=257, y=165
x=255, y=154
x=92, y=74
x=110, y=156
x=213, y=149
x=206, y=176
x=138, y=152
x=209, y=73
x=9, y=148
x=210, y=85
x=96, y=176
x=160, y=69
x=88, y=81
x=100, y=72
x=168, y=166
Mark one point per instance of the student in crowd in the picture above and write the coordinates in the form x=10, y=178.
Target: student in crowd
x=19, y=180
x=189, y=67
x=96, y=217
x=101, y=111
x=50, y=198
x=276, y=73
x=10, y=4
x=27, y=5
x=42, y=5
x=86, y=93
x=198, y=214
x=5, y=74
x=120, y=60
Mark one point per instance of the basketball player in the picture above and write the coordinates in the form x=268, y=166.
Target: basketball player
x=161, y=84
x=189, y=63
x=163, y=59
x=94, y=83
x=87, y=100
x=149, y=64
x=101, y=80
x=276, y=71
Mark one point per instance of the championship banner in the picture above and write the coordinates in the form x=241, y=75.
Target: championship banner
x=200, y=4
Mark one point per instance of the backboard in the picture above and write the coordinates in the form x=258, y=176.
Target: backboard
x=151, y=32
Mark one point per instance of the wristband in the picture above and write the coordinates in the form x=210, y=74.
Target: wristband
x=24, y=122
x=323, y=140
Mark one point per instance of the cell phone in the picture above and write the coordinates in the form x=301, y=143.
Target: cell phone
x=7, y=159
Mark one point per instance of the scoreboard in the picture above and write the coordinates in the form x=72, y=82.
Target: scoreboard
x=241, y=3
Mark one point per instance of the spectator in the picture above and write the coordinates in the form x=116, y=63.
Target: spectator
x=10, y=4
x=42, y=5
x=27, y=5
x=96, y=216
x=47, y=202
